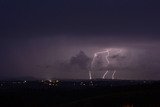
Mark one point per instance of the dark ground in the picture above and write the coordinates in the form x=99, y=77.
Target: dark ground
x=80, y=93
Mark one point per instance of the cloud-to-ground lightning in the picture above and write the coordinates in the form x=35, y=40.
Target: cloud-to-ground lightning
x=90, y=75
x=105, y=74
x=108, y=54
x=95, y=55
x=113, y=74
x=107, y=64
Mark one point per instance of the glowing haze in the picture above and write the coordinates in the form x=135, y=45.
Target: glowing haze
x=67, y=39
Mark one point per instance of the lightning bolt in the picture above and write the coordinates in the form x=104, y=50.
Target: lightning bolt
x=119, y=51
x=113, y=74
x=105, y=74
x=95, y=55
x=107, y=62
x=90, y=75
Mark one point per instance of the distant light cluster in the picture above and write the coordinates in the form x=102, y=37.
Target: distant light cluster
x=70, y=83
x=50, y=82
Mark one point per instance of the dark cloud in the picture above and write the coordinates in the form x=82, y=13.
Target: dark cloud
x=30, y=17
x=20, y=56
x=77, y=67
x=49, y=33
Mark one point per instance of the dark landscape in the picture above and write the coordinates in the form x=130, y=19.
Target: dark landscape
x=80, y=93
x=79, y=53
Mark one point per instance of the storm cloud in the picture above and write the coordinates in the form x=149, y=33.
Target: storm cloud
x=43, y=38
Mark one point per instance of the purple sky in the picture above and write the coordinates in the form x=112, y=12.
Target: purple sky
x=37, y=34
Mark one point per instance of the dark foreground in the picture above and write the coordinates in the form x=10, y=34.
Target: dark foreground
x=80, y=93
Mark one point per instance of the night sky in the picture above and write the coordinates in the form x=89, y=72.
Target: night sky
x=58, y=38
